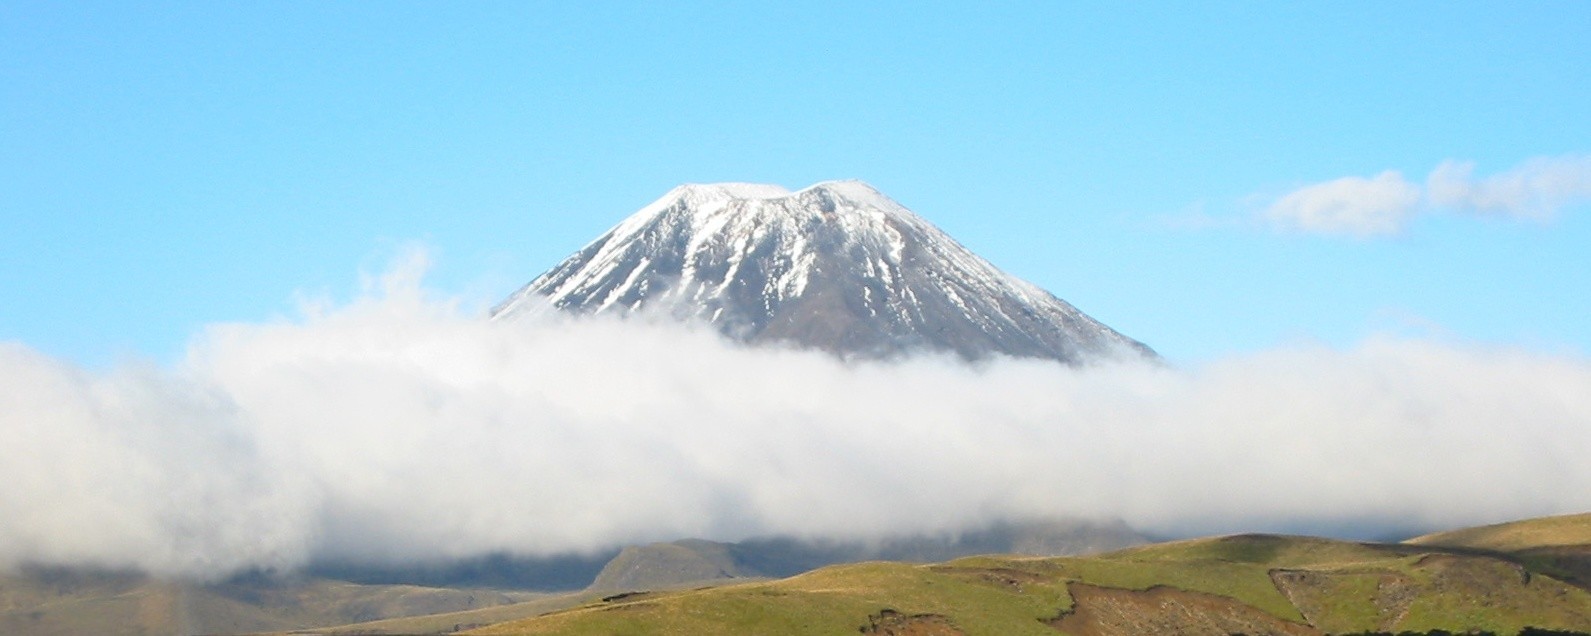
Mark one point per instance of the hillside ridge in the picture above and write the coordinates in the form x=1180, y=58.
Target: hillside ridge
x=1248, y=583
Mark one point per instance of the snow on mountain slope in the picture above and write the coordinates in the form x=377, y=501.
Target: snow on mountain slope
x=837, y=266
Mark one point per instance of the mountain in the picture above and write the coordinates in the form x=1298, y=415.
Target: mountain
x=837, y=266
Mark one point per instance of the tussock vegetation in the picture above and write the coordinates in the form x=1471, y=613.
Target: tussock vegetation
x=72, y=603
x=1527, y=578
x=1252, y=584
x=1517, y=536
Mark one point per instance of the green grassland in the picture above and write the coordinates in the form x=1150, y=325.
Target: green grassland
x=449, y=622
x=1259, y=583
x=836, y=599
x=1496, y=579
x=67, y=603
x=1517, y=536
x=1558, y=546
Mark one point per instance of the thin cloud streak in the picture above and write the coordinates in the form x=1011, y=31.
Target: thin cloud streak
x=396, y=428
x=1538, y=189
x=1350, y=205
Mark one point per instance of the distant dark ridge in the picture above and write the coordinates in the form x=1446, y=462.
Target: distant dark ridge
x=692, y=561
x=501, y=571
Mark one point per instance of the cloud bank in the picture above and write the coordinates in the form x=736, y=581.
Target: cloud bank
x=397, y=428
x=1538, y=189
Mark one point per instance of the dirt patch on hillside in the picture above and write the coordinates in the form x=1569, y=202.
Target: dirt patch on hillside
x=1004, y=578
x=1105, y=611
x=1327, y=599
x=892, y=623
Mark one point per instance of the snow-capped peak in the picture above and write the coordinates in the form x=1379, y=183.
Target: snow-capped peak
x=837, y=265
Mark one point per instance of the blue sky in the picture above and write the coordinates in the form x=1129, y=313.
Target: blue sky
x=1208, y=178
x=1354, y=228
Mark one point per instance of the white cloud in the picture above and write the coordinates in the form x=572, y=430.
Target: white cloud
x=1538, y=189
x=1350, y=205
x=395, y=428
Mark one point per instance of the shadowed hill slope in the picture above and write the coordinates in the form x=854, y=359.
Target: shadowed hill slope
x=1559, y=545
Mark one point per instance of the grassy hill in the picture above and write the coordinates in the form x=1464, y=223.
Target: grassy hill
x=1559, y=546
x=72, y=603
x=694, y=562
x=1498, y=579
x=1254, y=584
x=1517, y=536
x=448, y=622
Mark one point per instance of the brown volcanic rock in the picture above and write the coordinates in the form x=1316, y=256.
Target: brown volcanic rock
x=892, y=623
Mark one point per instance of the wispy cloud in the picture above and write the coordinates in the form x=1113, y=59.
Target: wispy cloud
x=1350, y=205
x=395, y=428
x=1538, y=189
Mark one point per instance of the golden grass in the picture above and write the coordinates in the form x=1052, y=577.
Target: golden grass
x=1335, y=585
x=1545, y=532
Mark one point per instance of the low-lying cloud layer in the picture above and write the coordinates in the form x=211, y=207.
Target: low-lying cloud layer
x=397, y=428
x=1537, y=189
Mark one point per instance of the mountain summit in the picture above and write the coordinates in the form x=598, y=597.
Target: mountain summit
x=837, y=266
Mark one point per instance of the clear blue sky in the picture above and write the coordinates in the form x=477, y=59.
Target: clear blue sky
x=164, y=166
